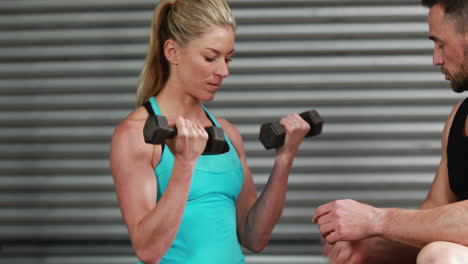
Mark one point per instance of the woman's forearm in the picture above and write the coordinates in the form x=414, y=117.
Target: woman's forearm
x=269, y=206
x=157, y=230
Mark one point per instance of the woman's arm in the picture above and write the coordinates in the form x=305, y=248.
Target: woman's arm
x=152, y=227
x=256, y=218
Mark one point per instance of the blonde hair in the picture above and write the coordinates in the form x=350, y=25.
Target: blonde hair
x=180, y=20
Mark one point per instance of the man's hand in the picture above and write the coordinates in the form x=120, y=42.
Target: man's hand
x=346, y=220
x=345, y=252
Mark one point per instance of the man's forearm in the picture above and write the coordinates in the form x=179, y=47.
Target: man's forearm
x=420, y=227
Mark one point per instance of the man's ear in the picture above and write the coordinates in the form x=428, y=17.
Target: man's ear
x=172, y=51
x=465, y=37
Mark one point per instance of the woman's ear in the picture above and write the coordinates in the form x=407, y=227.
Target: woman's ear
x=172, y=51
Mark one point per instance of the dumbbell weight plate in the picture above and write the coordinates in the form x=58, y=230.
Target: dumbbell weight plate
x=157, y=130
x=272, y=134
x=315, y=121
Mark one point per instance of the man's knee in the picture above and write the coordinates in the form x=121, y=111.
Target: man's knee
x=443, y=253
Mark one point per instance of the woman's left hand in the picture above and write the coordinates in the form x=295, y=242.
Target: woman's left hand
x=296, y=128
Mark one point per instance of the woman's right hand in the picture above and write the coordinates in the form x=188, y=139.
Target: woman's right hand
x=190, y=141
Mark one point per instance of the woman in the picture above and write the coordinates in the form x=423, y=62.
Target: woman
x=181, y=206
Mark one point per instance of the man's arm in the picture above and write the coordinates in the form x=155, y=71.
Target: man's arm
x=401, y=231
x=420, y=227
x=440, y=218
x=378, y=250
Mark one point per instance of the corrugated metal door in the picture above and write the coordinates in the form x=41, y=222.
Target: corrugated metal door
x=68, y=72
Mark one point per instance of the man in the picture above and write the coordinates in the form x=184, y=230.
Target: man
x=438, y=232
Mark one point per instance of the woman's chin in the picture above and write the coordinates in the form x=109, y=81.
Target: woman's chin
x=207, y=99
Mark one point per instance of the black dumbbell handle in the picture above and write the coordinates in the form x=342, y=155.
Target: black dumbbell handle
x=212, y=146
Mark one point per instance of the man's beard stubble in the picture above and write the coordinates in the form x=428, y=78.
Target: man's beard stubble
x=459, y=83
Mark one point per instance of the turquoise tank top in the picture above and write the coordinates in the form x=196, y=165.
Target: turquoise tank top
x=208, y=231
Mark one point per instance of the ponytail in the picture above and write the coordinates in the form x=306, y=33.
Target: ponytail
x=155, y=71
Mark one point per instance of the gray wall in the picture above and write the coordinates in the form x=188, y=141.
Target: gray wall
x=68, y=72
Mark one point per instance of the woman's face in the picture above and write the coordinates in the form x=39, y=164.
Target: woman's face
x=204, y=62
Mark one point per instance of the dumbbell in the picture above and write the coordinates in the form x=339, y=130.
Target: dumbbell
x=157, y=130
x=272, y=134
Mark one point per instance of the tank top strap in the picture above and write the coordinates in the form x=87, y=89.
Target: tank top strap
x=216, y=123
x=464, y=105
x=211, y=117
x=459, y=120
x=155, y=106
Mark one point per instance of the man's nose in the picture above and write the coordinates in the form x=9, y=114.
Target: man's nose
x=437, y=58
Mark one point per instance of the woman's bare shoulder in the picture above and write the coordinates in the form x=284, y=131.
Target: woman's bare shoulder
x=134, y=121
x=129, y=133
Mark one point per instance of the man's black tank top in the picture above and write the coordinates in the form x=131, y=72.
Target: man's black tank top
x=457, y=154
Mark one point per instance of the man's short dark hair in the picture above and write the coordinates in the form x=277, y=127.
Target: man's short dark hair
x=455, y=9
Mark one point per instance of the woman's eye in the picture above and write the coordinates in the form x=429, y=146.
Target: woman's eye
x=209, y=59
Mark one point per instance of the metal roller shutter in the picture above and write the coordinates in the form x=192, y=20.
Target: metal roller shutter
x=68, y=72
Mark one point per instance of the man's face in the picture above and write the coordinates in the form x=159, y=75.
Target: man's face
x=450, y=48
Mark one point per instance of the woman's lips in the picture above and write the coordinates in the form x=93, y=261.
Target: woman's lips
x=214, y=86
